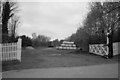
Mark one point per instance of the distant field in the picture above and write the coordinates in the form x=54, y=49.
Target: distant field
x=50, y=57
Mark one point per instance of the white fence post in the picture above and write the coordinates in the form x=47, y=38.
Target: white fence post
x=0, y=52
x=107, y=43
x=19, y=49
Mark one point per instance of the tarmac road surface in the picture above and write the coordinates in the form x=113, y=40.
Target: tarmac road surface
x=96, y=71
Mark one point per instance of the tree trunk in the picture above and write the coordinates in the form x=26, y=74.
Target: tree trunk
x=5, y=26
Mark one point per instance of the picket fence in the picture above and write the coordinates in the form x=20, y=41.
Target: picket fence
x=10, y=51
x=101, y=49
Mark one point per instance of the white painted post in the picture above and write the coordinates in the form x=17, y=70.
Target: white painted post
x=107, y=38
x=0, y=52
x=19, y=49
x=107, y=43
x=0, y=61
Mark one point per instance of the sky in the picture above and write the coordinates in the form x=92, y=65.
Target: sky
x=55, y=19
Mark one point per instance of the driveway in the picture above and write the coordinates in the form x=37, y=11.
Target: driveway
x=52, y=58
x=96, y=71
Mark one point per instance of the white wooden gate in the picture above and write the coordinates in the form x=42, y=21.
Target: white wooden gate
x=99, y=49
x=102, y=50
x=10, y=51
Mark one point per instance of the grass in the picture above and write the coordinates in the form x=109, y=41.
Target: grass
x=50, y=57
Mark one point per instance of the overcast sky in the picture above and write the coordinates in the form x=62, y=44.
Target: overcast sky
x=53, y=19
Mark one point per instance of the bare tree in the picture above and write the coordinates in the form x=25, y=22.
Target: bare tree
x=0, y=11
x=9, y=10
x=13, y=25
x=0, y=21
x=102, y=17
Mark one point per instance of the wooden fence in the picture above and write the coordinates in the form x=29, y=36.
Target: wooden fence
x=116, y=48
x=10, y=51
x=101, y=49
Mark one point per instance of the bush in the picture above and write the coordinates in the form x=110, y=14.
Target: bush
x=5, y=38
x=41, y=41
x=8, y=39
x=26, y=41
x=97, y=39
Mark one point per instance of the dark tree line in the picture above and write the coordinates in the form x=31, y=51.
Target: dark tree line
x=80, y=38
x=41, y=41
x=102, y=16
x=26, y=41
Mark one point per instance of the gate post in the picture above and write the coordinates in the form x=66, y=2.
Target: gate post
x=107, y=44
x=0, y=52
x=110, y=43
x=19, y=49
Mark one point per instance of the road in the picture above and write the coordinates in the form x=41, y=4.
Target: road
x=96, y=71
